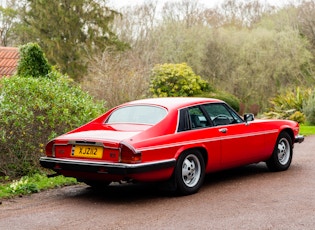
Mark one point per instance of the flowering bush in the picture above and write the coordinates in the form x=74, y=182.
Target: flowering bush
x=22, y=186
x=176, y=80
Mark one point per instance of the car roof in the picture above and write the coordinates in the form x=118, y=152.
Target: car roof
x=174, y=102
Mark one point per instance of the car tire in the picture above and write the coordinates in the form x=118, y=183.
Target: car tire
x=189, y=172
x=281, y=157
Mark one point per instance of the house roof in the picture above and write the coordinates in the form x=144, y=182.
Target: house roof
x=9, y=57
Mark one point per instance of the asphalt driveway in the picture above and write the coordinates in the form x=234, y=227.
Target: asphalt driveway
x=250, y=197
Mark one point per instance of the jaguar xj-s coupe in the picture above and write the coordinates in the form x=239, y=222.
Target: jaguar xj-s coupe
x=177, y=140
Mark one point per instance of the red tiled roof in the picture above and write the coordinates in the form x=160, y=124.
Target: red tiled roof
x=9, y=57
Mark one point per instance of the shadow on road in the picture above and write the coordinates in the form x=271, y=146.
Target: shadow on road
x=141, y=192
x=236, y=174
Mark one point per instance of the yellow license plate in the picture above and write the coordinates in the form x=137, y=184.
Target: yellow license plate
x=87, y=151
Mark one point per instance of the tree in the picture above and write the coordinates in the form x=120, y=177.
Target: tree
x=69, y=30
x=255, y=64
x=246, y=48
x=243, y=13
x=117, y=77
x=186, y=11
x=7, y=16
x=167, y=36
x=306, y=12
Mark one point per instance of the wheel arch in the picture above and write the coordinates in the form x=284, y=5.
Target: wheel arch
x=281, y=157
x=201, y=149
x=188, y=180
x=290, y=132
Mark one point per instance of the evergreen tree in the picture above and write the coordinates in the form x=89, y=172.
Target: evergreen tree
x=69, y=30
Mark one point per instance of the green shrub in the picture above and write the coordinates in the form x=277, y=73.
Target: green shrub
x=34, y=110
x=230, y=99
x=32, y=62
x=287, y=104
x=298, y=116
x=309, y=109
x=176, y=80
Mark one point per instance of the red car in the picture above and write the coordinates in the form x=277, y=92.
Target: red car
x=177, y=140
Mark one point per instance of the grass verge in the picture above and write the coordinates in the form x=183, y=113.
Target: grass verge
x=307, y=130
x=32, y=184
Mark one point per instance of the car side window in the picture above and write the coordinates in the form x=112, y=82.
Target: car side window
x=197, y=118
x=192, y=118
x=220, y=114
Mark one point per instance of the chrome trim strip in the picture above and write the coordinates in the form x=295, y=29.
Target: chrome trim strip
x=104, y=164
x=82, y=142
x=179, y=144
x=250, y=134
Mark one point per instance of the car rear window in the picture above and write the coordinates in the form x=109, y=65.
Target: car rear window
x=138, y=114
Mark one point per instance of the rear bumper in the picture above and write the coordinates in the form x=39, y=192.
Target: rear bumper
x=57, y=164
x=299, y=139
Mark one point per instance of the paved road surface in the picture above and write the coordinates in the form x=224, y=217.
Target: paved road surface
x=244, y=198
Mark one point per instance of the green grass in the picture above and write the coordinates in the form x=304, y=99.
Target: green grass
x=307, y=130
x=32, y=184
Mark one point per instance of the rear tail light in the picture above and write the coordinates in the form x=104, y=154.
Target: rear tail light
x=129, y=155
x=49, y=149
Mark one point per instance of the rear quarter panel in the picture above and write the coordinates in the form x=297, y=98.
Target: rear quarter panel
x=172, y=145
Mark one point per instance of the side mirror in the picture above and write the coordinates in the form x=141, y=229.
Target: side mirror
x=248, y=117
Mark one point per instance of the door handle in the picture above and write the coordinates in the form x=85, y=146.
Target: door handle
x=223, y=130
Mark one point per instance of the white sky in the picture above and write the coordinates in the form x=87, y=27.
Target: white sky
x=117, y=4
